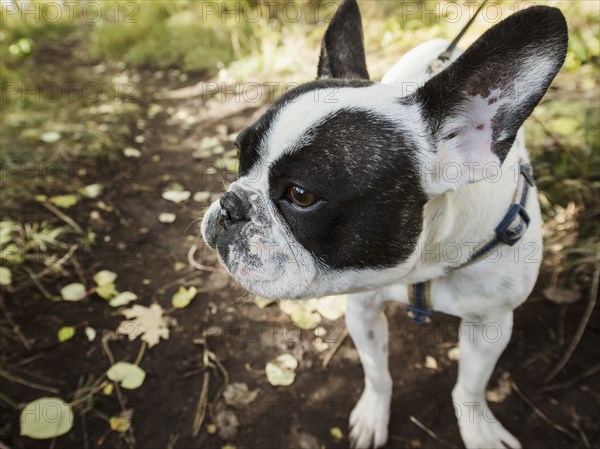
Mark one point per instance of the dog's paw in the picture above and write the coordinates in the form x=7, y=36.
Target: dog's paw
x=479, y=428
x=483, y=434
x=369, y=420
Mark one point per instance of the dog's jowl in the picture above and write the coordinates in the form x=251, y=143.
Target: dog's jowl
x=420, y=195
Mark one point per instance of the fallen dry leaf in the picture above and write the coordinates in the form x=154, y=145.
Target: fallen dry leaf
x=237, y=394
x=562, y=295
x=454, y=354
x=149, y=323
x=227, y=423
x=282, y=370
x=121, y=423
x=500, y=393
x=431, y=363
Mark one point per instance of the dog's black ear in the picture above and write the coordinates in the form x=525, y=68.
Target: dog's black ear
x=476, y=106
x=342, y=49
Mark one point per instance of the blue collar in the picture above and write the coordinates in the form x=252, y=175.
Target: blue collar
x=510, y=230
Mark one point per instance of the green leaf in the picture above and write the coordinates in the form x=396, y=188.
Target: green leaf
x=104, y=277
x=6, y=230
x=47, y=417
x=153, y=110
x=202, y=196
x=129, y=375
x=64, y=201
x=208, y=143
x=50, y=137
x=66, y=333
x=230, y=165
x=281, y=370
x=176, y=196
x=107, y=291
x=305, y=319
x=92, y=190
x=167, y=218
x=302, y=312
x=331, y=307
x=73, y=292
x=183, y=297
x=123, y=299
x=261, y=302
x=5, y=276
x=132, y=152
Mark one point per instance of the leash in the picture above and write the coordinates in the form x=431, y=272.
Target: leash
x=443, y=60
x=510, y=230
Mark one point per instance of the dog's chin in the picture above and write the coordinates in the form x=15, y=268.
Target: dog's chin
x=271, y=279
x=275, y=285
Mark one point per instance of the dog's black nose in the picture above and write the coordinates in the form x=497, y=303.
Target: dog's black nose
x=233, y=209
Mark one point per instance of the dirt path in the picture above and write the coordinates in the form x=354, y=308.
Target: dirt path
x=244, y=337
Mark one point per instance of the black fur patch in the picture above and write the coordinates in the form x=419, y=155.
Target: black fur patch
x=342, y=49
x=364, y=170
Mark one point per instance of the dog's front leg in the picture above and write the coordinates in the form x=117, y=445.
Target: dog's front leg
x=368, y=328
x=481, y=343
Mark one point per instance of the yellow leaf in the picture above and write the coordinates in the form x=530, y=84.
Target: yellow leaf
x=261, y=302
x=5, y=276
x=64, y=201
x=108, y=389
x=211, y=429
x=305, y=319
x=66, y=333
x=107, y=291
x=119, y=424
x=183, y=297
x=336, y=433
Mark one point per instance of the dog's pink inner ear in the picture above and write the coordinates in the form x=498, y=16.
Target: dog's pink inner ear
x=475, y=107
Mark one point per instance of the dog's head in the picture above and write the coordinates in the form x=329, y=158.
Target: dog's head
x=335, y=175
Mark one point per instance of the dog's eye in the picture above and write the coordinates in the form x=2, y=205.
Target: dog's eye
x=301, y=197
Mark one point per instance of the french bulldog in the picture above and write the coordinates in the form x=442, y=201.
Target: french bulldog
x=367, y=188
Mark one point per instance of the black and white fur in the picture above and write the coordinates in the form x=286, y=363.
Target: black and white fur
x=401, y=178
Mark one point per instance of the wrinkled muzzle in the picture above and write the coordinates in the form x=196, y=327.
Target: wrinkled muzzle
x=256, y=246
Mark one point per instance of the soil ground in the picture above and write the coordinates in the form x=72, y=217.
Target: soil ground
x=244, y=337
